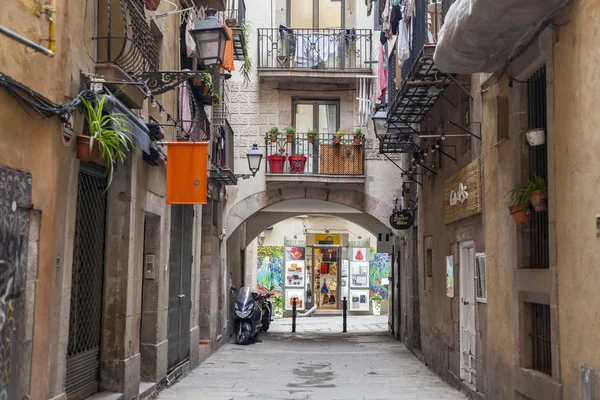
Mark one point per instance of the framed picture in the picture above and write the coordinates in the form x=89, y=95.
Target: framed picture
x=294, y=274
x=359, y=274
x=295, y=253
x=360, y=254
x=345, y=268
x=359, y=300
x=300, y=300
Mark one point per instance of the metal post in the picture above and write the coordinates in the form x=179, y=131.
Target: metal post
x=294, y=315
x=344, y=314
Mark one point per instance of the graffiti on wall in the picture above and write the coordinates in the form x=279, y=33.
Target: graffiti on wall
x=379, y=266
x=15, y=202
x=270, y=269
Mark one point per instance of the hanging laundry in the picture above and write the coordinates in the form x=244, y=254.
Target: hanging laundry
x=382, y=38
x=408, y=10
x=190, y=43
x=403, y=49
x=395, y=17
x=228, y=64
x=385, y=17
x=382, y=76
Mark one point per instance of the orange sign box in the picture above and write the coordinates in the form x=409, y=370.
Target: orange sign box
x=187, y=172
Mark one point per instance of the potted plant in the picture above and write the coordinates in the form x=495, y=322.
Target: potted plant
x=376, y=303
x=297, y=163
x=519, y=208
x=536, y=137
x=108, y=138
x=216, y=99
x=290, y=132
x=276, y=163
x=358, y=135
x=273, y=133
x=337, y=136
x=538, y=193
x=312, y=135
x=277, y=302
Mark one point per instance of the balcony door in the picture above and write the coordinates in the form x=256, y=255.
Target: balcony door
x=323, y=115
x=315, y=14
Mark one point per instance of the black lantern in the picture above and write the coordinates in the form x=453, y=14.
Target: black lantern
x=254, y=159
x=210, y=37
x=380, y=121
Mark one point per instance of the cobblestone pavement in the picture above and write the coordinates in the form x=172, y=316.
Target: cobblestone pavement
x=317, y=362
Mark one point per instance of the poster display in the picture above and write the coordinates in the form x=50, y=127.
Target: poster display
x=360, y=254
x=450, y=276
x=298, y=294
x=359, y=274
x=294, y=267
x=359, y=300
x=345, y=268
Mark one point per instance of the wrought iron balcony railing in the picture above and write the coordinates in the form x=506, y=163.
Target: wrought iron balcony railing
x=221, y=156
x=235, y=13
x=124, y=37
x=321, y=49
x=323, y=155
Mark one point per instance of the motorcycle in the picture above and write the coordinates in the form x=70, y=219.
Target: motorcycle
x=252, y=314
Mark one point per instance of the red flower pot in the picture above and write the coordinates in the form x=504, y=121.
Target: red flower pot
x=297, y=164
x=276, y=163
x=518, y=214
x=84, y=153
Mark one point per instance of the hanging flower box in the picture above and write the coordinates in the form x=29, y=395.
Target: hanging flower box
x=85, y=154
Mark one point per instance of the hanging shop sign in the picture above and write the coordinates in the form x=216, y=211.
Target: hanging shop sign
x=187, y=172
x=401, y=219
x=462, y=193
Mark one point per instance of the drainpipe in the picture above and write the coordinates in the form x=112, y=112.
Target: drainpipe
x=48, y=9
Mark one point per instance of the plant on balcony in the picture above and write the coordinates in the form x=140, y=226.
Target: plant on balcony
x=519, y=208
x=337, y=137
x=290, y=132
x=537, y=193
x=358, y=135
x=216, y=99
x=246, y=67
x=273, y=133
x=108, y=138
x=276, y=163
x=297, y=163
x=312, y=135
x=205, y=82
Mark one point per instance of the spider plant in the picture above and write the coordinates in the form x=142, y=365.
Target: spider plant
x=246, y=67
x=109, y=132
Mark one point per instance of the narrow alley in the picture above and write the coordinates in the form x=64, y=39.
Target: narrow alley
x=317, y=362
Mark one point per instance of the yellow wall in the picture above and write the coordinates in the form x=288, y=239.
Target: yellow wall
x=577, y=127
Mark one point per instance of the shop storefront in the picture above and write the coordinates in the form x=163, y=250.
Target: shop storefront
x=320, y=271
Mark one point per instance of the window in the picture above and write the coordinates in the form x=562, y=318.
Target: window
x=378, y=7
x=428, y=268
x=315, y=14
x=480, y=277
x=541, y=348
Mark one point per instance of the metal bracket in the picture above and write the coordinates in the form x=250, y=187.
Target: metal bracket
x=408, y=174
x=159, y=82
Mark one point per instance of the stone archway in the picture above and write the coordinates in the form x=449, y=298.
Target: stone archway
x=356, y=199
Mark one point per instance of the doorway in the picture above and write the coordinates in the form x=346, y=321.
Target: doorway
x=326, y=277
x=467, y=312
x=87, y=284
x=180, y=276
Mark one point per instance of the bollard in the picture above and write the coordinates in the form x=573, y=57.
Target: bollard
x=293, y=315
x=344, y=314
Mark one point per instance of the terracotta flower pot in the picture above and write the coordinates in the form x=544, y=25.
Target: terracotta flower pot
x=311, y=139
x=276, y=163
x=290, y=138
x=297, y=164
x=273, y=138
x=518, y=214
x=539, y=200
x=337, y=139
x=152, y=5
x=357, y=140
x=84, y=153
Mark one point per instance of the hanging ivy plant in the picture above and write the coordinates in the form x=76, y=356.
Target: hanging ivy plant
x=246, y=68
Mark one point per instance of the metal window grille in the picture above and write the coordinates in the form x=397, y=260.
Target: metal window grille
x=541, y=338
x=480, y=276
x=538, y=165
x=85, y=319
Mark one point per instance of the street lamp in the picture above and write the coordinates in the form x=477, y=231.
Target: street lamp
x=210, y=37
x=380, y=121
x=254, y=159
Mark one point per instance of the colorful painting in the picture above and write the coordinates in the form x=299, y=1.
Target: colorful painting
x=379, y=265
x=450, y=276
x=270, y=269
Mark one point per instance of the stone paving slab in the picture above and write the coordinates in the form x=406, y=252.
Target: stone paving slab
x=317, y=362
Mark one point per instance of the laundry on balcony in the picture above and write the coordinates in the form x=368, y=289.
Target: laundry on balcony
x=317, y=51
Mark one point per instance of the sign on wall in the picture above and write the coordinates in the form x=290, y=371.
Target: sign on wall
x=462, y=193
x=401, y=219
x=450, y=276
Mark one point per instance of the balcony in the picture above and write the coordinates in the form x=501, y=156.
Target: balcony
x=234, y=17
x=318, y=160
x=126, y=48
x=221, y=158
x=314, y=55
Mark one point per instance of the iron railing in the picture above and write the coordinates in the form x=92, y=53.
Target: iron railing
x=338, y=49
x=541, y=340
x=124, y=37
x=235, y=13
x=222, y=147
x=197, y=128
x=318, y=156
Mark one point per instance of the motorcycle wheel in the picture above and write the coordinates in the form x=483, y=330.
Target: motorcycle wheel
x=244, y=335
